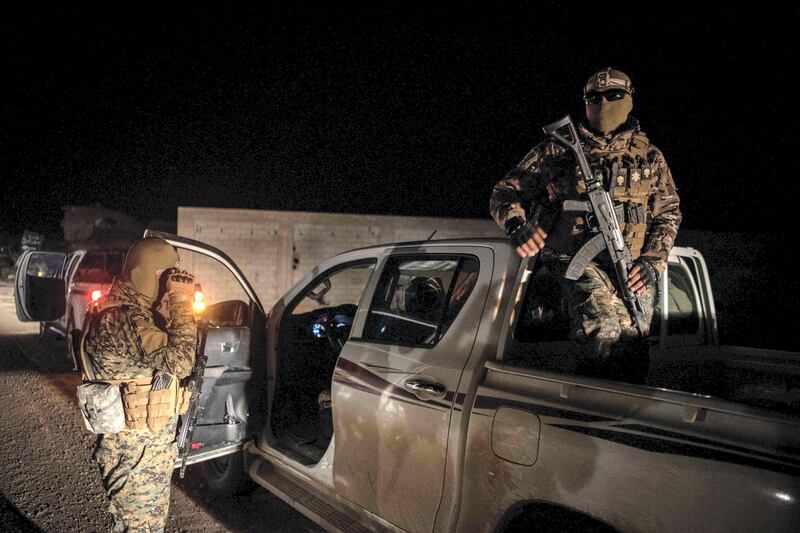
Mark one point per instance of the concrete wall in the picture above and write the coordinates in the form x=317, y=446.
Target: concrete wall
x=275, y=249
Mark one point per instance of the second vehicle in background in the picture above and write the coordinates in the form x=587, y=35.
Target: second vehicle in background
x=87, y=276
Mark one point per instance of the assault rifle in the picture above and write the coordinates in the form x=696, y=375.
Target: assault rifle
x=195, y=387
x=602, y=219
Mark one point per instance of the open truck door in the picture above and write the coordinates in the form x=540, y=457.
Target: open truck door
x=232, y=402
x=39, y=286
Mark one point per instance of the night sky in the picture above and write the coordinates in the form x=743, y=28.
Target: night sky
x=393, y=110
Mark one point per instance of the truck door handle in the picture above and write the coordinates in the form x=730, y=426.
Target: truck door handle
x=434, y=389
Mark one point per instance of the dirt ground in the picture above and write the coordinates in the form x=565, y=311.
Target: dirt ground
x=48, y=481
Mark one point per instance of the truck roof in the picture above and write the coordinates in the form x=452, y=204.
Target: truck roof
x=493, y=242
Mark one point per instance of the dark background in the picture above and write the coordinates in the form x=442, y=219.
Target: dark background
x=406, y=109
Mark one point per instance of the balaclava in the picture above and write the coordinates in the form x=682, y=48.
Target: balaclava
x=144, y=257
x=605, y=117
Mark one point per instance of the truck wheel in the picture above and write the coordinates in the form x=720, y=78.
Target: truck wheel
x=46, y=337
x=226, y=475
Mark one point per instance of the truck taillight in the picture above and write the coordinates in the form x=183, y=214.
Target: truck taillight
x=96, y=294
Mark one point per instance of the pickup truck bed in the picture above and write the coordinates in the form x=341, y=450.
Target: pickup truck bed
x=637, y=457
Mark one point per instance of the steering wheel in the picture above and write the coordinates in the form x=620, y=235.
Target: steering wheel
x=329, y=327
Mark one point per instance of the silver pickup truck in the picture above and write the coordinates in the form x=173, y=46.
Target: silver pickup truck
x=430, y=386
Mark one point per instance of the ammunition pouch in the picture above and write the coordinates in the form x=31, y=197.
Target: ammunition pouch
x=135, y=399
x=112, y=405
x=631, y=213
x=161, y=407
x=146, y=408
x=632, y=218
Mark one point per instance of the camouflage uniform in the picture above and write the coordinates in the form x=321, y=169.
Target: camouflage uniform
x=124, y=342
x=636, y=174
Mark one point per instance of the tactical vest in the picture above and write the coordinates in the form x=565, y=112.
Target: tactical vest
x=144, y=407
x=627, y=175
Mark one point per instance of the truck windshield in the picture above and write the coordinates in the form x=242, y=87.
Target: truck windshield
x=99, y=267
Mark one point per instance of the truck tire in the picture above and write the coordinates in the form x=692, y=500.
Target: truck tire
x=226, y=475
x=46, y=337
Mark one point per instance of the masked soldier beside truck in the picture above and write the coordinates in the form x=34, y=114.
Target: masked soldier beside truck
x=137, y=344
x=529, y=204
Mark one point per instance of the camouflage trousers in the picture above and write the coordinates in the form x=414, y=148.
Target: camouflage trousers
x=136, y=468
x=600, y=322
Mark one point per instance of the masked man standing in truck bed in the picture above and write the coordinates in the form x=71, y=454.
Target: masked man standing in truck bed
x=637, y=177
x=125, y=346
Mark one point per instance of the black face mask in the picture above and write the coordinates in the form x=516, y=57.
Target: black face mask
x=606, y=116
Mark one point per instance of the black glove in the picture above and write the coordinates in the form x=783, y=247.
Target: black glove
x=180, y=286
x=518, y=230
x=647, y=271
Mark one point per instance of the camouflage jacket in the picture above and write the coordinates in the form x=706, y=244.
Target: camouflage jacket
x=635, y=173
x=125, y=342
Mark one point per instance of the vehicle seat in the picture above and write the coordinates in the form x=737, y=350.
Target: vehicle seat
x=424, y=298
x=544, y=315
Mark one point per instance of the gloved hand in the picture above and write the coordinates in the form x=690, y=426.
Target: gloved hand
x=643, y=275
x=180, y=286
x=528, y=239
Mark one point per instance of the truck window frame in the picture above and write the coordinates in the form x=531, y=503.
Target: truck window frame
x=441, y=329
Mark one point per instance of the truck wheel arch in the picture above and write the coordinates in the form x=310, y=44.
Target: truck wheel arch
x=547, y=517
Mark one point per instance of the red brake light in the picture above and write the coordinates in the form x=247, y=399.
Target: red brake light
x=96, y=294
x=197, y=445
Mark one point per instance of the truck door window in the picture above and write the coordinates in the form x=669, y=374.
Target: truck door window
x=542, y=337
x=114, y=263
x=544, y=316
x=45, y=266
x=340, y=288
x=214, y=282
x=418, y=298
x=99, y=267
x=683, y=316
